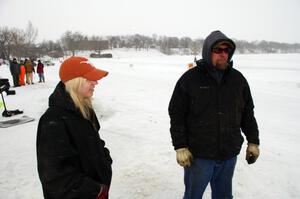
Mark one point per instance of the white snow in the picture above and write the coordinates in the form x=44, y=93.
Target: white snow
x=131, y=103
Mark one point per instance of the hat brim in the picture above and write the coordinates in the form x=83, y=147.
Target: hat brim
x=224, y=42
x=95, y=74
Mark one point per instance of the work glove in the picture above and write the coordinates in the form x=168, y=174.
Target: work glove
x=184, y=157
x=103, y=193
x=252, y=153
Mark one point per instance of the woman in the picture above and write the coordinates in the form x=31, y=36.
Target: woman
x=72, y=160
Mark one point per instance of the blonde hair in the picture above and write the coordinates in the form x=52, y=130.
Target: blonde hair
x=83, y=104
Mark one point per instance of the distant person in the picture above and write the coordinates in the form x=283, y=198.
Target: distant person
x=33, y=62
x=72, y=159
x=15, y=71
x=29, y=71
x=210, y=105
x=26, y=76
x=40, y=71
x=22, y=74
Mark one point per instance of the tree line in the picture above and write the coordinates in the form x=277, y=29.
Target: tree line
x=19, y=43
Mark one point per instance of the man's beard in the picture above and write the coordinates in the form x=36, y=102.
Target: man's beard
x=221, y=65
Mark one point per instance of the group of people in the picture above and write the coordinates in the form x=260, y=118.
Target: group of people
x=25, y=69
x=211, y=105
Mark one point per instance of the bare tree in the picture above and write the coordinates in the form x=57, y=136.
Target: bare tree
x=196, y=46
x=96, y=45
x=185, y=42
x=114, y=42
x=11, y=42
x=5, y=42
x=72, y=41
x=30, y=34
x=18, y=42
x=137, y=41
x=50, y=48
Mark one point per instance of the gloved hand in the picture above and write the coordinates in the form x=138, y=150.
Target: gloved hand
x=103, y=193
x=184, y=157
x=252, y=153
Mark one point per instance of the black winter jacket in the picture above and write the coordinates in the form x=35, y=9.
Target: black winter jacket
x=14, y=68
x=71, y=157
x=207, y=116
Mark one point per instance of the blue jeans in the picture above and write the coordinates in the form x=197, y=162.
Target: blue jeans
x=218, y=173
x=42, y=77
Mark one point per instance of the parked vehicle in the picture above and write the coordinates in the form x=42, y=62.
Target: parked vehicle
x=48, y=63
x=97, y=55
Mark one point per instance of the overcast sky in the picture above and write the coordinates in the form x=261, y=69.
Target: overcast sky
x=271, y=20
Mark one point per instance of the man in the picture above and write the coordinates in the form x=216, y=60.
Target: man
x=210, y=105
x=40, y=71
x=15, y=71
x=29, y=68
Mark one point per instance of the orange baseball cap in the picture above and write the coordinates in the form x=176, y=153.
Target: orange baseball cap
x=79, y=67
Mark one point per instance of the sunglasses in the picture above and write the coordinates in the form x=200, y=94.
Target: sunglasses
x=220, y=50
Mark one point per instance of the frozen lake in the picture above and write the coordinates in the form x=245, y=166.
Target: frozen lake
x=131, y=104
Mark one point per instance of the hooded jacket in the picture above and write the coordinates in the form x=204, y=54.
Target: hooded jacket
x=208, y=113
x=29, y=66
x=14, y=68
x=40, y=68
x=72, y=159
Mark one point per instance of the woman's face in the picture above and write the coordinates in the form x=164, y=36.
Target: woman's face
x=87, y=88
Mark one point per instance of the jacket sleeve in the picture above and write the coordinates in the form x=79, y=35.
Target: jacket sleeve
x=249, y=124
x=178, y=109
x=18, y=69
x=58, y=164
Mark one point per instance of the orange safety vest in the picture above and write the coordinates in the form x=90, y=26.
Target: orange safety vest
x=22, y=75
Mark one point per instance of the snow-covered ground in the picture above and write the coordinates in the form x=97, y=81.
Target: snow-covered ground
x=132, y=103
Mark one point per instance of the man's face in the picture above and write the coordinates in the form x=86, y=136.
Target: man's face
x=219, y=56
